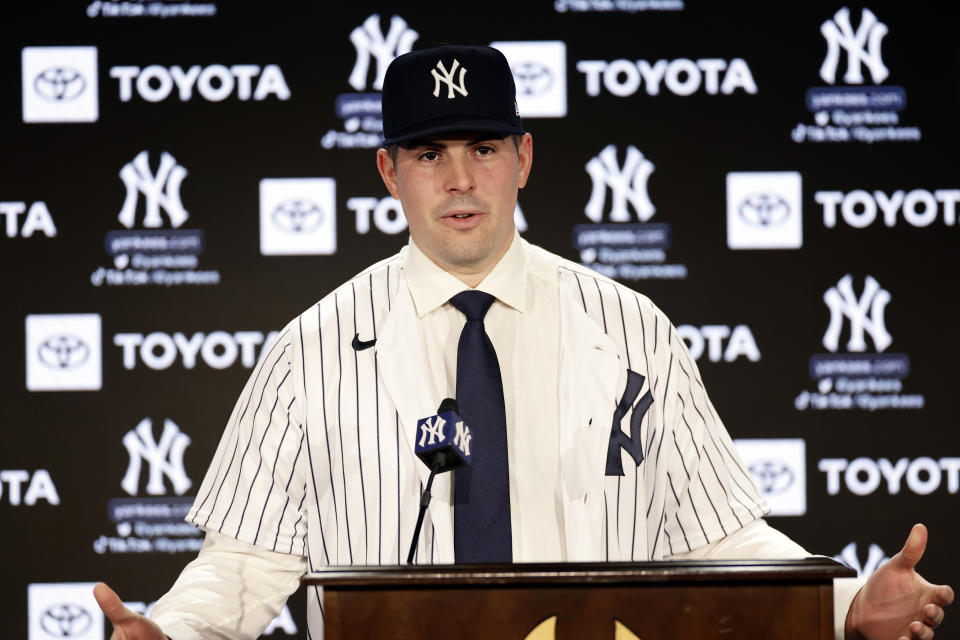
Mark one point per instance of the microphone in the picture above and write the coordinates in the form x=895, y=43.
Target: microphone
x=443, y=441
x=443, y=444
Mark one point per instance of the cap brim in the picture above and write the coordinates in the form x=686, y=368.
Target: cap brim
x=460, y=123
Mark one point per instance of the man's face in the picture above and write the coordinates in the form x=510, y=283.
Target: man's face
x=458, y=192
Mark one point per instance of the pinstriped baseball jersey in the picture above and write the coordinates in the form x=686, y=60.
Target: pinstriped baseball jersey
x=320, y=441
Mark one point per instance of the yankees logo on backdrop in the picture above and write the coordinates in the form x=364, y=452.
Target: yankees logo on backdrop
x=866, y=314
x=628, y=184
x=862, y=47
x=371, y=43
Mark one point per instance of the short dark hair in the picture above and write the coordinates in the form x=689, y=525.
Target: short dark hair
x=393, y=150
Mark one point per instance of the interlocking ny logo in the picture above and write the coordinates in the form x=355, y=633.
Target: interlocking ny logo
x=865, y=314
x=633, y=444
x=462, y=438
x=59, y=84
x=160, y=190
x=862, y=47
x=432, y=427
x=447, y=78
x=165, y=458
x=370, y=42
x=628, y=184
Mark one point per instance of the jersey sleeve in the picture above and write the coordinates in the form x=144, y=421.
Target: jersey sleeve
x=254, y=489
x=710, y=493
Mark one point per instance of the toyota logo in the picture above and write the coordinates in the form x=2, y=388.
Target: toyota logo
x=772, y=476
x=533, y=78
x=66, y=620
x=297, y=216
x=59, y=84
x=764, y=209
x=63, y=352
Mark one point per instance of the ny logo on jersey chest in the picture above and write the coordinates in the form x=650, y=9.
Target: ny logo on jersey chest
x=632, y=444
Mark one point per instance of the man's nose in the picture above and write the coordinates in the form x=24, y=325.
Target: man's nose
x=459, y=176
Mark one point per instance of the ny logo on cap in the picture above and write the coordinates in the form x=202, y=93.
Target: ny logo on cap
x=447, y=77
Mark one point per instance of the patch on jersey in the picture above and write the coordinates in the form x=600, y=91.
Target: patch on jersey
x=633, y=444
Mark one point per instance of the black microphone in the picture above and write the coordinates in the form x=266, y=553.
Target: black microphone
x=443, y=444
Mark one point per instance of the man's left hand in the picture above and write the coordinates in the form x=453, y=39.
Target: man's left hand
x=896, y=603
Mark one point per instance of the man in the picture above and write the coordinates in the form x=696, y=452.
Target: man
x=593, y=436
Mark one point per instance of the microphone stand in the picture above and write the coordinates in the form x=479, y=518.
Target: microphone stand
x=438, y=462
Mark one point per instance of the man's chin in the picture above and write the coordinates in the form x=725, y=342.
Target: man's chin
x=465, y=262
x=465, y=258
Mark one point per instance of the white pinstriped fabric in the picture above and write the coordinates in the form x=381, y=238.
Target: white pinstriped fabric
x=316, y=458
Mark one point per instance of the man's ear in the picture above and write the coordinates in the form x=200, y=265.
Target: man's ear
x=525, y=152
x=388, y=172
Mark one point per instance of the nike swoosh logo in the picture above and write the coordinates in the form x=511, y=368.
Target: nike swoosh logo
x=360, y=345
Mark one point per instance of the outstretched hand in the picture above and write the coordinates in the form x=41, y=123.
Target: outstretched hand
x=127, y=625
x=896, y=603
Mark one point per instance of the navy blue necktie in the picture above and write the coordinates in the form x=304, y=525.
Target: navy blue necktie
x=481, y=522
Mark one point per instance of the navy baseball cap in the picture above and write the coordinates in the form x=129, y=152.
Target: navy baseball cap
x=449, y=88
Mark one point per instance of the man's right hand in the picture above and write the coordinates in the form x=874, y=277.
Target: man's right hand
x=127, y=625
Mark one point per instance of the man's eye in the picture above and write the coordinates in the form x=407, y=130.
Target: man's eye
x=485, y=149
x=430, y=156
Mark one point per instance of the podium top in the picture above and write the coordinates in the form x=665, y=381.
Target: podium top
x=817, y=569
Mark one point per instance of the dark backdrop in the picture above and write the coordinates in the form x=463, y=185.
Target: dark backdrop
x=858, y=452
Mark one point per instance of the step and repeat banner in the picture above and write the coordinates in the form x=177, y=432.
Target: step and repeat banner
x=181, y=178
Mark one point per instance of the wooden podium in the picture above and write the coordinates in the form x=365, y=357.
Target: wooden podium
x=722, y=599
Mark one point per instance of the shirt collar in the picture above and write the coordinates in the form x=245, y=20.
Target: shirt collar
x=431, y=286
